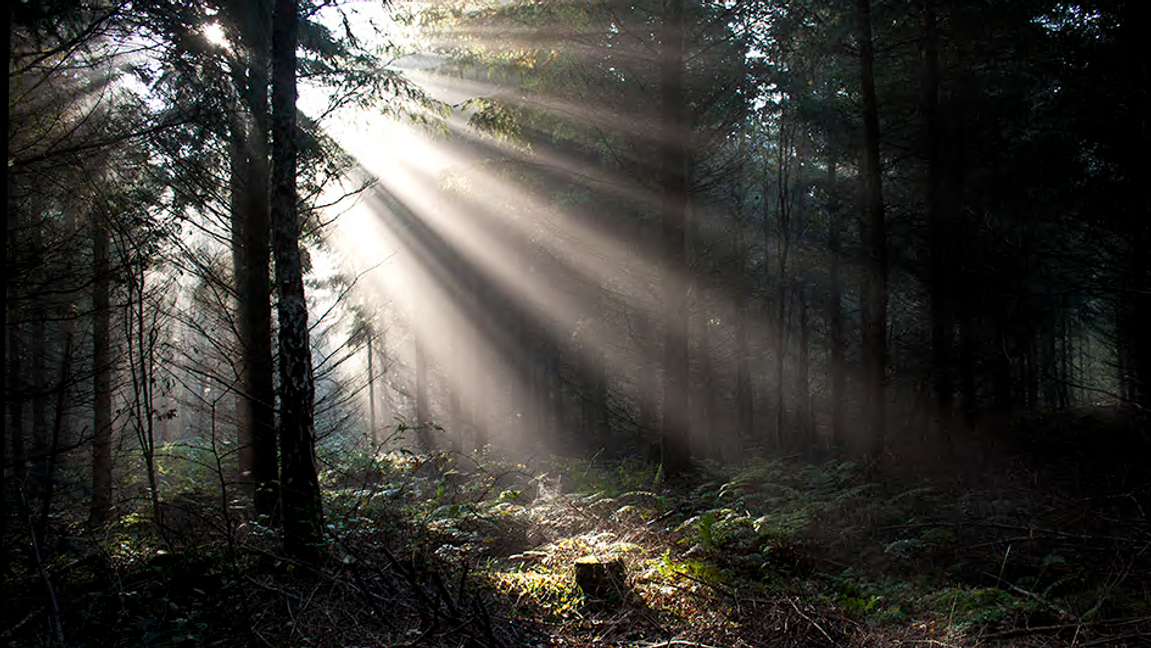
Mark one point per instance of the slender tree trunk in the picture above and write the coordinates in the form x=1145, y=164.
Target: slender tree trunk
x=649, y=376
x=674, y=141
x=43, y=463
x=782, y=254
x=805, y=423
x=385, y=395
x=238, y=185
x=707, y=388
x=1131, y=38
x=14, y=391
x=942, y=144
x=5, y=349
x=550, y=392
x=140, y=366
x=1067, y=346
x=702, y=392
x=1053, y=376
x=836, y=335
x=255, y=317
x=744, y=398
x=57, y=439
x=300, y=496
x=423, y=403
x=541, y=394
x=593, y=384
x=968, y=363
x=875, y=332
x=39, y=349
x=372, y=395
x=1032, y=374
x=101, y=506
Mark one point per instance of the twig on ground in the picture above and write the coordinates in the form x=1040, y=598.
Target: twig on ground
x=811, y=621
x=674, y=642
x=1110, y=641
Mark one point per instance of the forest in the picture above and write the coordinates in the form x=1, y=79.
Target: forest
x=575, y=323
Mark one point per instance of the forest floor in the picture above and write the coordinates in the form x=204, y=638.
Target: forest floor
x=445, y=550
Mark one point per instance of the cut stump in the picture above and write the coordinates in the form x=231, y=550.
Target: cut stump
x=600, y=578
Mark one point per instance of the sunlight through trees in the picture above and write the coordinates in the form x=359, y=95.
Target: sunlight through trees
x=290, y=283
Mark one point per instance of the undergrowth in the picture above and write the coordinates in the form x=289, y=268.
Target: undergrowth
x=450, y=549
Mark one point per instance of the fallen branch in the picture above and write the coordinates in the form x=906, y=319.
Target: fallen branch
x=1059, y=627
x=812, y=622
x=674, y=642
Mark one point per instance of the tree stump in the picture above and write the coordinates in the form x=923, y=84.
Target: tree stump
x=600, y=578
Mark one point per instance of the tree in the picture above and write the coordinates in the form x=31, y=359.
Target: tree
x=101, y=509
x=300, y=494
x=251, y=255
x=675, y=133
x=875, y=330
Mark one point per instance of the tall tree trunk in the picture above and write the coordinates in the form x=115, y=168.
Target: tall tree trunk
x=5, y=349
x=744, y=398
x=782, y=254
x=238, y=185
x=674, y=141
x=1131, y=39
x=101, y=506
x=875, y=331
x=302, y=507
x=254, y=293
x=942, y=203
x=836, y=334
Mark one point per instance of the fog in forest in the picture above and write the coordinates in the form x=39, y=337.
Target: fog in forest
x=532, y=322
